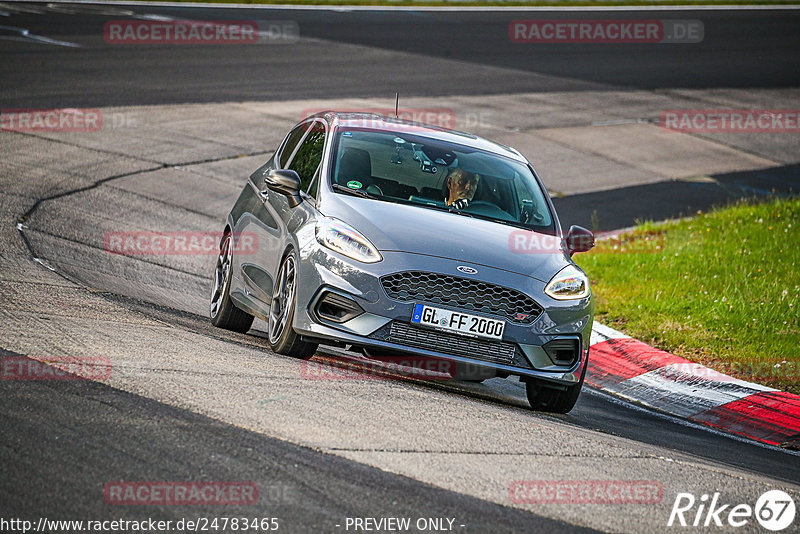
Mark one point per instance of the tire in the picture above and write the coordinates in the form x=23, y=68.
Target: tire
x=553, y=399
x=224, y=314
x=281, y=336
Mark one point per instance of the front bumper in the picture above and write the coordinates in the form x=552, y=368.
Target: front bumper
x=385, y=326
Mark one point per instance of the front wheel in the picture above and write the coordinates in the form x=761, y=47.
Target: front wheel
x=281, y=336
x=553, y=399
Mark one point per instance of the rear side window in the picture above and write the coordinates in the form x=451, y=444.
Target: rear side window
x=309, y=155
x=292, y=139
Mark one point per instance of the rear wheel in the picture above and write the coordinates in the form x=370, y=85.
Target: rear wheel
x=553, y=399
x=223, y=312
x=281, y=336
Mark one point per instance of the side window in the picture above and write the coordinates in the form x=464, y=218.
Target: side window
x=292, y=139
x=309, y=155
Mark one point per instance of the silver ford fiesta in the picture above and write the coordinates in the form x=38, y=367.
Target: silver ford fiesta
x=393, y=237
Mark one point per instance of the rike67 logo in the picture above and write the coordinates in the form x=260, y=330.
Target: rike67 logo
x=774, y=510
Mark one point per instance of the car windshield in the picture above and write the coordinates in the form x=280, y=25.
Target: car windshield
x=412, y=169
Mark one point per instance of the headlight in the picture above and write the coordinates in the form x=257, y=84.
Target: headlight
x=570, y=283
x=344, y=239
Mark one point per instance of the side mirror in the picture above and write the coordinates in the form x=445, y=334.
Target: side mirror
x=285, y=182
x=579, y=239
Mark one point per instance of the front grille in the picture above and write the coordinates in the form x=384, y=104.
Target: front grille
x=479, y=349
x=461, y=293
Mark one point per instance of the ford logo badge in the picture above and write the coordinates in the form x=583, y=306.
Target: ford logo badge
x=467, y=270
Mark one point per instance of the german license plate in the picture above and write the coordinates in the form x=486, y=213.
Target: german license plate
x=459, y=322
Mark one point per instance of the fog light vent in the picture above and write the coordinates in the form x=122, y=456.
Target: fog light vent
x=563, y=351
x=337, y=308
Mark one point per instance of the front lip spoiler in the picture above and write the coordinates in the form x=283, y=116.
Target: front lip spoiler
x=569, y=377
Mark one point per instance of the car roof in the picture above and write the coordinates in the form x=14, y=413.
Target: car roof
x=341, y=119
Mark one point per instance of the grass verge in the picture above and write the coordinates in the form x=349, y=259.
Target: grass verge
x=721, y=289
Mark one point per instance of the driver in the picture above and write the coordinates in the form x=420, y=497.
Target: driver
x=460, y=187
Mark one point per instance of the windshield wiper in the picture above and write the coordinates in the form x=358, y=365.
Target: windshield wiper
x=356, y=192
x=449, y=209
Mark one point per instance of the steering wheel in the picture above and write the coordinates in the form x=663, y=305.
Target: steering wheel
x=374, y=189
x=488, y=209
x=479, y=203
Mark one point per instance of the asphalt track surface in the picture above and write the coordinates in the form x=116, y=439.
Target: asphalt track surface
x=104, y=434
x=62, y=440
x=748, y=48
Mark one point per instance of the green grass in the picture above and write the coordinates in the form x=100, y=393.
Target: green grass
x=721, y=289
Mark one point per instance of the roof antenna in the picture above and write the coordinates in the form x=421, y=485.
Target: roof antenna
x=396, y=104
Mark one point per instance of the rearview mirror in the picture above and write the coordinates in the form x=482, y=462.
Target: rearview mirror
x=285, y=182
x=579, y=239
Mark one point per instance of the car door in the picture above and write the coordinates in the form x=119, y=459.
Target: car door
x=263, y=225
x=273, y=219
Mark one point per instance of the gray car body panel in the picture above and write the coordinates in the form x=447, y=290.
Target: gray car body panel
x=405, y=228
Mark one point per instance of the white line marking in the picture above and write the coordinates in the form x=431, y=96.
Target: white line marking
x=43, y=264
x=439, y=8
x=695, y=371
x=86, y=9
x=157, y=18
x=25, y=34
x=683, y=396
x=47, y=40
x=601, y=332
x=22, y=8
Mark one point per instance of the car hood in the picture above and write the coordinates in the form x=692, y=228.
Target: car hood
x=418, y=230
